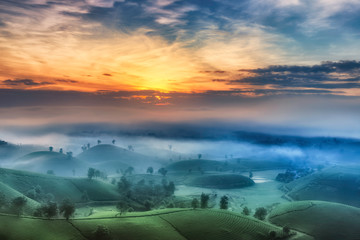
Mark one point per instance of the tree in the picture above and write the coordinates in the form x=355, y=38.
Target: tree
x=129, y=171
x=122, y=207
x=51, y=149
x=18, y=204
x=102, y=233
x=169, y=188
x=97, y=173
x=246, y=211
x=85, y=196
x=272, y=234
x=69, y=155
x=224, y=202
x=2, y=200
x=50, y=210
x=91, y=173
x=286, y=230
x=150, y=170
x=195, y=203
x=204, y=200
x=260, y=213
x=124, y=185
x=83, y=148
x=147, y=205
x=162, y=171
x=67, y=209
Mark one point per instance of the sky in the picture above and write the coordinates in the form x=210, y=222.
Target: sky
x=290, y=64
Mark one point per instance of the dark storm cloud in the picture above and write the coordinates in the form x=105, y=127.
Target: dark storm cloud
x=328, y=75
x=22, y=82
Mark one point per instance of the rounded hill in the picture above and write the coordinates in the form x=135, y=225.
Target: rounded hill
x=42, y=161
x=335, y=184
x=220, y=181
x=110, y=157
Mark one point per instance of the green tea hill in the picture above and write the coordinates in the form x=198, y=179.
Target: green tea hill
x=322, y=220
x=220, y=181
x=335, y=184
x=43, y=186
x=175, y=224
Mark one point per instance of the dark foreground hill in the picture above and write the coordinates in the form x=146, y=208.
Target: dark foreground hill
x=176, y=224
x=335, y=184
x=42, y=187
x=322, y=220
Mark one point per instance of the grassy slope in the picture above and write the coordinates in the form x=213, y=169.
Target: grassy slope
x=45, y=160
x=161, y=225
x=323, y=220
x=60, y=187
x=11, y=193
x=14, y=228
x=336, y=184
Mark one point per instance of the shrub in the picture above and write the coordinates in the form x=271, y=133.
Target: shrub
x=272, y=234
x=286, y=230
x=102, y=233
x=260, y=213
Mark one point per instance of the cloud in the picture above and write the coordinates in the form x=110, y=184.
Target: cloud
x=66, y=81
x=341, y=75
x=102, y=3
x=24, y=82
